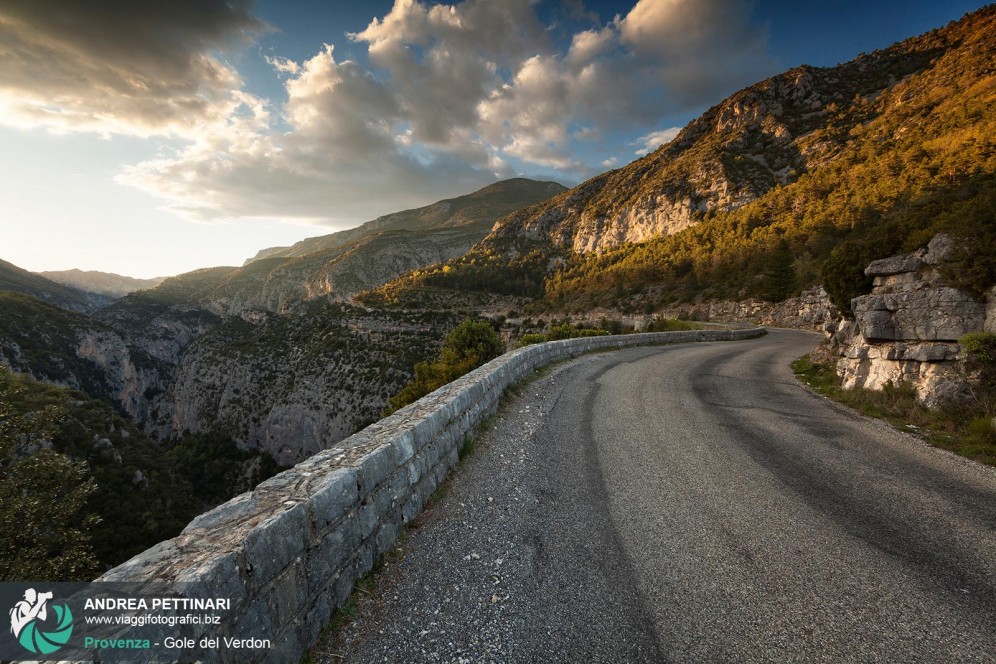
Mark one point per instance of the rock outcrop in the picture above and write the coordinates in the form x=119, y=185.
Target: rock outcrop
x=906, y=330
x=810, y=310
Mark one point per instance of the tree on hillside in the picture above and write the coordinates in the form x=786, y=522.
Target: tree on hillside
x=779, y=281
x=469, y=345
x=44, y=526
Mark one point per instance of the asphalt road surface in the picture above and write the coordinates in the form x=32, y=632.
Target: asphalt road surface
x=690, y=503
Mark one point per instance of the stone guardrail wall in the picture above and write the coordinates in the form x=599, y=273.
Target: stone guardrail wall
x=288, y=552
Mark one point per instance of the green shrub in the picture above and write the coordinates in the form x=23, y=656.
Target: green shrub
x=981, y=347
x=568, y=331
x=532, y=338
x=980, y=344
x=469, y=345
x=671, y=325
x=843, y=272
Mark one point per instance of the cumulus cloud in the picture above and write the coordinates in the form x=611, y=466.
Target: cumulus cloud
x=655, y=139
x=282, y=65
x=663, y=57
x=443, y=60
x=447, y=97
x=119, y=66
x=340, y=161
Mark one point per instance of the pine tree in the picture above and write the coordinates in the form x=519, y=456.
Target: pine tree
x=779, y=281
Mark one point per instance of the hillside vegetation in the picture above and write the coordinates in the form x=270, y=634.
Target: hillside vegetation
x=469, y=345
x=81, y=489
x=833, y=167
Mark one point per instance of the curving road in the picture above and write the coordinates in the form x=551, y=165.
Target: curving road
x=691, y=503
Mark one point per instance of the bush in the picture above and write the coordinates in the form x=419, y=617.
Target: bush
x=843, y=272
x=980, y=344
x=469, y=345
x=671, y=325
x=558, y=332
x=981, y=347
x=568, y=331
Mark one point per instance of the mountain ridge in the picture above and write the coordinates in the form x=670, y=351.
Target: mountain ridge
x=341, y=264
x=16, y=279
x=704, y=215
x=448, y=212
x=101, y=283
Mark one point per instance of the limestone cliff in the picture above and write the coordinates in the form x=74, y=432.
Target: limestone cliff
x=294, y=385
x=74, y=350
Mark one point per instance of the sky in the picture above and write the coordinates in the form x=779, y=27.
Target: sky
x=154, y=137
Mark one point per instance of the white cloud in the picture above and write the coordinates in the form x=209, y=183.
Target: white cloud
x=340, y=161
x=120, y=67
x=610, y=162
x=452, y=95
x=443, y=60
x=654, y=140
x=282, y=65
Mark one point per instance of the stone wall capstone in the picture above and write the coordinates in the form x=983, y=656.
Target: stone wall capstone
x=288, y=553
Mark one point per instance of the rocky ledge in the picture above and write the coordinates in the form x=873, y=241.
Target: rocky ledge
x=906, y=330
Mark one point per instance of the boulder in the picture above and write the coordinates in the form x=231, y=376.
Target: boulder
x=930, y=314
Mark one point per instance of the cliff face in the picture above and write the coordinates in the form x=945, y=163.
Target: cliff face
x=73, y=350
x=128, y=385
x=294, y=385
x=906, y=330
x=287, y=384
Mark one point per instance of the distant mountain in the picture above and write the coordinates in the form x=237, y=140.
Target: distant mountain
x=102, y=283
x=341, y=264
x=14, y=279
x=884, y=150
x=474, y=213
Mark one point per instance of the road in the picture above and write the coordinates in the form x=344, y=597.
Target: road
x=690, y=503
